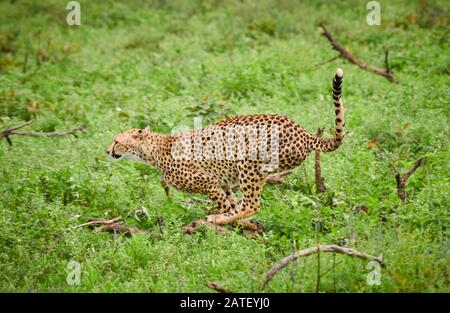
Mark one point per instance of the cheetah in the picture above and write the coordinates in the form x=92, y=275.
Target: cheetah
x=241, y=150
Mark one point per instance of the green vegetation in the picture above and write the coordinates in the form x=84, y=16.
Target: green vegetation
x=159, y=63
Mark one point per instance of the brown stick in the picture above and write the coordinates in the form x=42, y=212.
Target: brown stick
x=385, y=72
x=329, y=60
x=401, y=180
x=309, y=251
x=71, y=131
x=14, y=131
x=217, y=287
x=112, y=225
x=96, y=222
x=320, y=185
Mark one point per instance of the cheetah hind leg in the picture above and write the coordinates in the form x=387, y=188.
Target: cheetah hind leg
x=248, y=206
x=222, y=198
x=245, y=224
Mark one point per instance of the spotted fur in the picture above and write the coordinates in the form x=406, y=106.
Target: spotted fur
x=191, y=169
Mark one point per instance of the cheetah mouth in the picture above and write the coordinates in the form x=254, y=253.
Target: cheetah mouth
x=115, y=156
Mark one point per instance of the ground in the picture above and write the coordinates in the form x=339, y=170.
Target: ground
x=161, y=63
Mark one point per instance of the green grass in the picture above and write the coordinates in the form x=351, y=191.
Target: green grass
x=159, y=63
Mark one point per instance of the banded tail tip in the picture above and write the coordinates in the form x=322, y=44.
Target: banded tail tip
x=339, y=73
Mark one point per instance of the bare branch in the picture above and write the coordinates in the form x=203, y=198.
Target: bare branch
x=112, y=225
x=309, y=251
x=347, y=55
x=96, y=222
x=217, y=287
x=402, y=180
x=329, y=60
x=71, y=131
x=6, y=133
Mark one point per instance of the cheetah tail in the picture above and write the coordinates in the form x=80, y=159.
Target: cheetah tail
x=327, y=145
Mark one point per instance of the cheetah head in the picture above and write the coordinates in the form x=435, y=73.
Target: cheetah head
x=128, y=145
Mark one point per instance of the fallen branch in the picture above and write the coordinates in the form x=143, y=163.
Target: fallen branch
x=14, y=131
x=385, y=72
x=309, y=251
x=217, y=287
x=96, y=222
x=320, y=185
x=401, y=180
x=112, y=225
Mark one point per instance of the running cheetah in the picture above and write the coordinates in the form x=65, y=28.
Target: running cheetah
x=241, y=150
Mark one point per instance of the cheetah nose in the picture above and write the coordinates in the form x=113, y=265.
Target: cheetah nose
x=107, y=151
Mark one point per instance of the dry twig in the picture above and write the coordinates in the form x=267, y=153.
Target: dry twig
x=14, y=131
x=309, y=251
x=329, y=60
x=385, y=72
x=401, y=180
x=217, y=287
x=96, y=222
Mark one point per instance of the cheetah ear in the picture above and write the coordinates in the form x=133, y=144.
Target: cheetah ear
x=146, y=131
